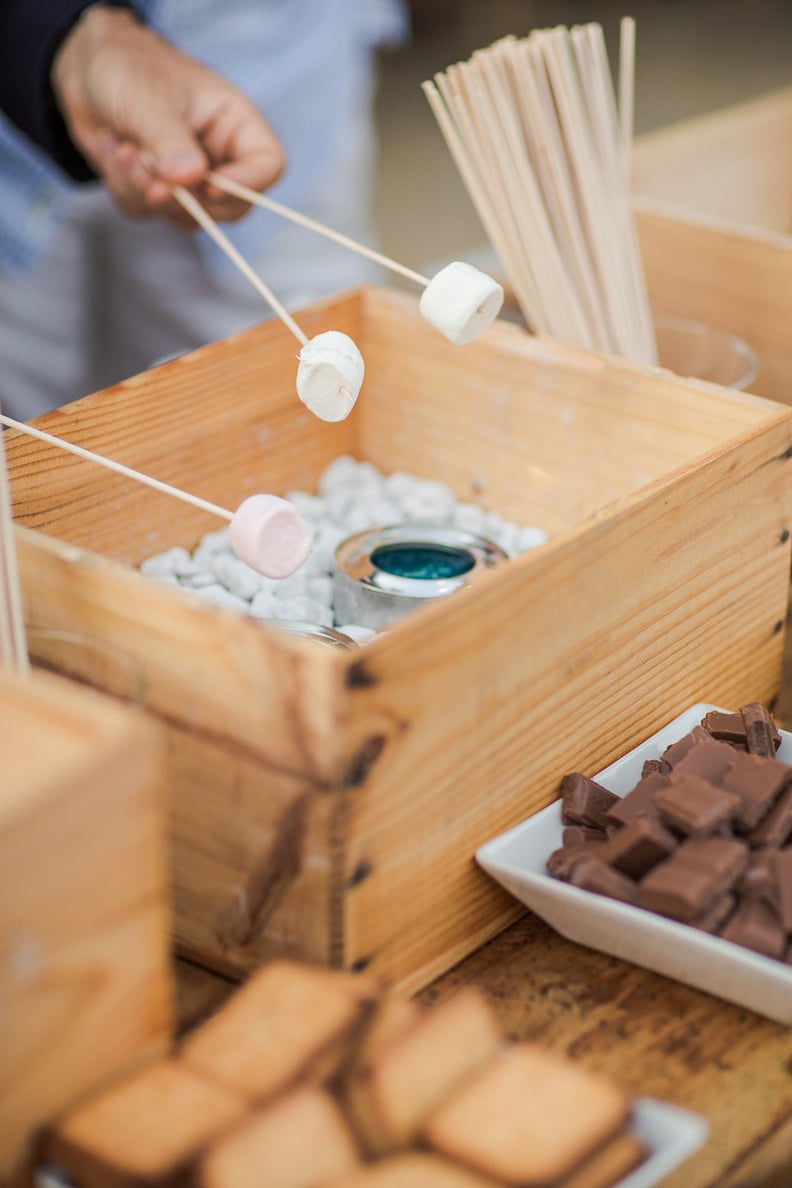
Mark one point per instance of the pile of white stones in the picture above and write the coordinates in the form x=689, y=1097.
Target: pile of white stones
x=352, y=496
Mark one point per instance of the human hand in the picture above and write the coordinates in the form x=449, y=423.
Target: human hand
x=147, y=117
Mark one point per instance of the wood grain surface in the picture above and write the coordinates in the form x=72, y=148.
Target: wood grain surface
x=655, y=1036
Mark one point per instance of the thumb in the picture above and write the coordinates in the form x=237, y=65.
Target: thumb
x=168, y=145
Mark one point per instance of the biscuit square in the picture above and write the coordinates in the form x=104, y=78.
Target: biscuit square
x=529, y=1117
x=301, y=1139
x=388, y=1099
x=288, y=1021
x=143, y=1130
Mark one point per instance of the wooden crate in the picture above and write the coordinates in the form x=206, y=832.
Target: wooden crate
x=714, y=211
x=327, y=805
x=85, y=990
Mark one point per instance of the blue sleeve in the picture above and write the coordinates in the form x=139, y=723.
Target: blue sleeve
x=30, y=33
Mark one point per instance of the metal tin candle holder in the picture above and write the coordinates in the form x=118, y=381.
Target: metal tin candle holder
x=313, y=631
x=383, y=574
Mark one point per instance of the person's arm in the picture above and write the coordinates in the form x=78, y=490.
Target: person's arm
x=30, y=33
x=145, y=116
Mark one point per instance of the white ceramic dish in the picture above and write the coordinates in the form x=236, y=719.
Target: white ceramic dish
x=517, y=860
x=671, y=1135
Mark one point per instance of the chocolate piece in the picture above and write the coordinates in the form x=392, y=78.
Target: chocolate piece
x=726, y=860
x=757, y=781
x=709, y=759
x=655, y=766
x=692, y=806
x=716, y=915
x=639, y=846
x=728, y=728
x=576, y=835
x=640, y=802
x=775, y=828
x=584, y=802
x=592, y=874
x=760, y=878
x=783, y=867
x=678, y=889
x=757, y=927
x=561, y=861
x=761, y=735
x=676, y=751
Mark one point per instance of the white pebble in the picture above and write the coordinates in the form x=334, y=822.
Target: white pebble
x=303, y=609
x=428, y=502
x=164, y=564
x=469, y=517
x=261, y=606
x=357, y=632
x=222, y=597
x=368, y=514
x=327, y=540
x=530, y=538
x=310, y=506
x=340, y=501
x=461, y=302
x=398, y=483
x=367, y=475
x=165, y=579
x=341, y=470
x=320, y=588
x=236, y=576
x=330, y=375
x=214, y=542
x=293, y=586
x=199, y=579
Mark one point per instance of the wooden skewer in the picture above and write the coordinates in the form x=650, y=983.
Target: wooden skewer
x=118, y=467
x=229, y=186
x=193, y=207
x=13, y=644
x=627, y=90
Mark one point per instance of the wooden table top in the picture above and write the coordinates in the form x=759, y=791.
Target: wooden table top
x=655, y=1036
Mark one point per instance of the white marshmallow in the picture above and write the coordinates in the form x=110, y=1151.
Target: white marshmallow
x=461, y=302
x=270, y=535
x=330, y=375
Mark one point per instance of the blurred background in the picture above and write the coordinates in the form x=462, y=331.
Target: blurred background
x=692, y=56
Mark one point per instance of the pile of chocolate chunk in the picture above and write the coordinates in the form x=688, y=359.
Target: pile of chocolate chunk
x=704, y=837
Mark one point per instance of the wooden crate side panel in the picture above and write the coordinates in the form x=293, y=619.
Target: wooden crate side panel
x=84, y=982
x=208, y=669
x=223, y=422
x=562, y=663
x=537, y=430
x=253, y=857
x=731, y=164
x=736, y=281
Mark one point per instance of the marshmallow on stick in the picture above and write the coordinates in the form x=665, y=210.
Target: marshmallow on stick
x=330, y=371
x=266, y=532
x=460, y=301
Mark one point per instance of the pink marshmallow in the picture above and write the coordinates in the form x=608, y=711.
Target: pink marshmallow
x=270, y=535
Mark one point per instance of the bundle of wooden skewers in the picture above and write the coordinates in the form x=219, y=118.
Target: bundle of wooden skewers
x=543, y=147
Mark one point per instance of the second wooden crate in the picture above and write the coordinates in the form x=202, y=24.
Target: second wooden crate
x=714, y=211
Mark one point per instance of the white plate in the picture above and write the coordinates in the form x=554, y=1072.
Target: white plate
x=671, y=1135
x=517, y=860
